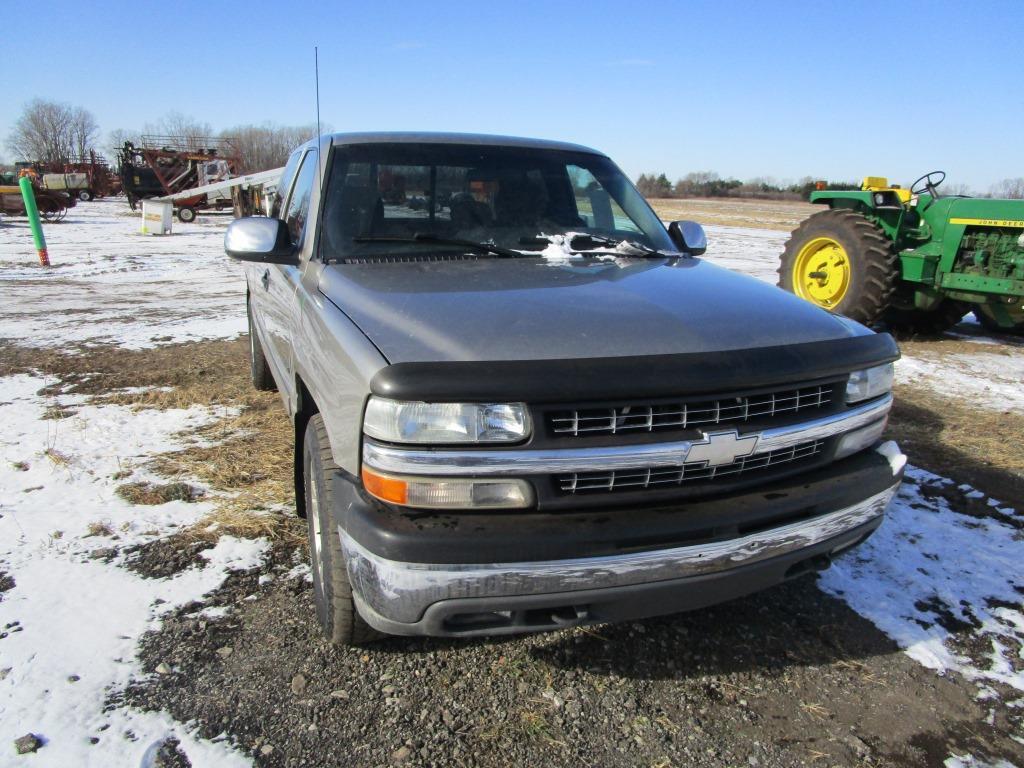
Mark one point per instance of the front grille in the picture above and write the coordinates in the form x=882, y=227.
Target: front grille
x=688, y=414
x=661, y=477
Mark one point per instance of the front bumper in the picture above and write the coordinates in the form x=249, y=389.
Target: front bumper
x=468, y=598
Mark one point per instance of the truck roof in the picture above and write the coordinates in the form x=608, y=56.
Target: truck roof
x=428, y=137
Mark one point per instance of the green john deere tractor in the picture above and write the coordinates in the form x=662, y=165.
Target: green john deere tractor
x=913, y=260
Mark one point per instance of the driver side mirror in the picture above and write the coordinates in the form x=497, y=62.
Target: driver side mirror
x=260, y=239
x=688, y=237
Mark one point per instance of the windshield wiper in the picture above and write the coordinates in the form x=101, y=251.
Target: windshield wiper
x=639, y=250
x=428, y=239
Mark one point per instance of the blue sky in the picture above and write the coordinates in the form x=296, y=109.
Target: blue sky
x=830, y=89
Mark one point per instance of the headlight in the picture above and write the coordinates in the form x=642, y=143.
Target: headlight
x=448, y=493
x=404, y=422
x=869, y=383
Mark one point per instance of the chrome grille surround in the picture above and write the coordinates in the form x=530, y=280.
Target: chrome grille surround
x=517, y=462
x=688, y=414
x=661, y=477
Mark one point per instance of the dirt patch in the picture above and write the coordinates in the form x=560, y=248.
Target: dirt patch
x=169, y=755
x=6, y=584
x=780, y=215
x=788, y=677
x=958, y=440
x=158, y=493
x=165, y=557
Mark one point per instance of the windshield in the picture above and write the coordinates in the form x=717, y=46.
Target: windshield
x=386, y=199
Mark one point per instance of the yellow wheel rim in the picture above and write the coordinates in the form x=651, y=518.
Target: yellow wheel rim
x=821, y=272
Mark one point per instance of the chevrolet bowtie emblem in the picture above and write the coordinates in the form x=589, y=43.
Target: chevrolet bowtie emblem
x=720, y=448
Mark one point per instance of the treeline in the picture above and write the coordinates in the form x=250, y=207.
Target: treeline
x=56, y=133
x=710, y=184
x=258, y=147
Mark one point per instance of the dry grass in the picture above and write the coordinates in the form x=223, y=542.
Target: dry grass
x=98, y=528
x=781, y=215
x=245, y=459
x=57, y=458
x=157, y=493
x=815, y=710
x=953, y=436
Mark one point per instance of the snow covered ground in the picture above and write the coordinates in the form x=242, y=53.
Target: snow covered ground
x=110, y=284
x=72, y=620
x=934, y=568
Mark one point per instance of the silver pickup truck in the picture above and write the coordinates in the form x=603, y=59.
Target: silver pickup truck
x=523, y=403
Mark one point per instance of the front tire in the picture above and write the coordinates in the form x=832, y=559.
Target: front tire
x=910, y=321
x=84, y=195
x=262, y=378
x=186, y=214
x=989, y=322
x=840, y=261
x=335, y=608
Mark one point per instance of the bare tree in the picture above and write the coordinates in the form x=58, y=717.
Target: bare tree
x=1010, y=189
x=51, y=132
x=116, y=139
x=961, y=189
x=84, y=131
x=262, y=147
x=181, y=131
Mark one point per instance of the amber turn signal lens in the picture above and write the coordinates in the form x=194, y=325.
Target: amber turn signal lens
x=385, y=488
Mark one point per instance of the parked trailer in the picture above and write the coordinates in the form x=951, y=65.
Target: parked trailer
x=85, y=177
x=160, y=166
x=251, y=194
x=53, y=205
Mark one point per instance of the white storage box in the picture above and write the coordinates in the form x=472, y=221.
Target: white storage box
x=156, y=217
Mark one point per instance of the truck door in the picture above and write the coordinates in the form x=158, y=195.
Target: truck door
x=279, y=282
x=258, y=275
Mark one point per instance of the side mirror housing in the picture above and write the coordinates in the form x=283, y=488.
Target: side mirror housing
x=688, y=236
x=260, y=239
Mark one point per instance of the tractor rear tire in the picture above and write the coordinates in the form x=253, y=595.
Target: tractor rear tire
x=921, y=322
x=840, y=261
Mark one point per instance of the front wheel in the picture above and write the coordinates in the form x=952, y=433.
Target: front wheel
x=990, y=322
x=84, y=195
x=904, y=320
x=262, y=378
x=842, y=262
x=335, y=608
x=186, y=214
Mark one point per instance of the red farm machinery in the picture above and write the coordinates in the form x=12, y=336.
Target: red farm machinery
x=162, y=165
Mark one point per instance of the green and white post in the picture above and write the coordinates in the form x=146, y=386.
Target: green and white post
x=32, y=211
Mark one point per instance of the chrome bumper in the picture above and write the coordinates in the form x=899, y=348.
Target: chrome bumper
x=401, y=592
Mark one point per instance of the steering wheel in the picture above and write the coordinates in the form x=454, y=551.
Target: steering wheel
x=930, y=180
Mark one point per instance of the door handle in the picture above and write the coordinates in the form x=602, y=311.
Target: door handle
x=266, y=278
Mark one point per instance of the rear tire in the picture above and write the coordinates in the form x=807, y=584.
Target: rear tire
x=335, y=608
x=858, y=274
x=262, y=378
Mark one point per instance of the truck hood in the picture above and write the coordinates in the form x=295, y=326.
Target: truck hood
x=533, y=309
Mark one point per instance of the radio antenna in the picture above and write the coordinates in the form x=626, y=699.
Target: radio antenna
x=316, y=76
